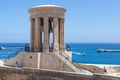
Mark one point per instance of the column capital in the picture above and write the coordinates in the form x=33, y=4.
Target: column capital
x=31, y=18
x=62, y=18
x=55, y=17
x=45, y=17
x=36, y=18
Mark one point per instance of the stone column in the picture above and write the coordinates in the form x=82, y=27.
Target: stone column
x=61, y=34
x=55, y=34
x=46, y=35
x=37, y=35
x=40, y=37
x=32, y=34
x=41, y=30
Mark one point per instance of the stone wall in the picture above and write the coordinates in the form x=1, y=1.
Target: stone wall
x=39, y=60
x=95, y=69
x=51, y=61
x=91, y=68
x=35, y=74
x=113, y=69
x=31, y=60
x=104, y=77
x=23, y=59
x=12, y=61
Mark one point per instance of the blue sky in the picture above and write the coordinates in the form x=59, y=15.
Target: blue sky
x=86, y=21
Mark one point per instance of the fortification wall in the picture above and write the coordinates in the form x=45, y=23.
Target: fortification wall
x=113, y=69
x=35, y=74
x=39, y=60
x=91, y=68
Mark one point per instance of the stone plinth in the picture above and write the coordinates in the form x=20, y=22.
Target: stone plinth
x=39, y=61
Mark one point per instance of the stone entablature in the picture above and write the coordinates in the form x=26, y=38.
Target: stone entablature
x=47, y=19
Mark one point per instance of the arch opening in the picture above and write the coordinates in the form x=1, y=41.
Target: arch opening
x=51, y=24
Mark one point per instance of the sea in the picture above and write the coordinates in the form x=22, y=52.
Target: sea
x=89, y=49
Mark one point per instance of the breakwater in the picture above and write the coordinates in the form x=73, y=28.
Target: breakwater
x=107, y=50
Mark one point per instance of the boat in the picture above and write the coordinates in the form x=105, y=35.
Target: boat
x=83, y=54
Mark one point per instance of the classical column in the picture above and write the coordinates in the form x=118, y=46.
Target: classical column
x=46, y=35
x=41, y=30
x=32, y=20
x=55, y=34
x=61, y=34
x=37, y=35
x=40, y=38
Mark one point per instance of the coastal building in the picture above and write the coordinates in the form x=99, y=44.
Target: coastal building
x=46, y=20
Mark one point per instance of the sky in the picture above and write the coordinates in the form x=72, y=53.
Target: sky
x=86, y=21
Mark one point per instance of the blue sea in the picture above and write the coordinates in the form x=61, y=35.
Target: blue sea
x=90, y=49
x=94, y=57
x=8, y=53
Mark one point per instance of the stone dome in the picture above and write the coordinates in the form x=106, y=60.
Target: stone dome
x=46, y=7
x=49, y=5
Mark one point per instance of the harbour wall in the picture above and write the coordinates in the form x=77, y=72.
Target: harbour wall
x=7, y=73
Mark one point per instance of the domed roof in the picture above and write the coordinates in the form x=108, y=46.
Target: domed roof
x=49, y=5
x=42, y=7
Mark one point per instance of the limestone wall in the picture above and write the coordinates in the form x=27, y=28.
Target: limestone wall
x=104, y=77
x=12, y=61
x=31, y=60
x=24, y=60
x=113, y=69
x=39, y=60
x=91, y=68
x=35, y=74
x=51, y=61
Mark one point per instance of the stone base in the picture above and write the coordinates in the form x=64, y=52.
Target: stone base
x=40, y=61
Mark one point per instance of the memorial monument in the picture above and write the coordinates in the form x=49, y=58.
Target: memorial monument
x=47, y=19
